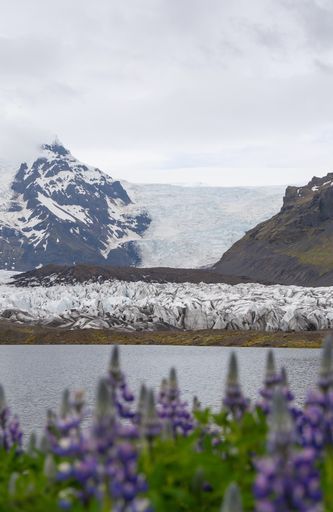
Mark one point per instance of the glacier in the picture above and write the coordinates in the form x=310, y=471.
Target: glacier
x=150, y=306
x=192, y=226
x=46, y=219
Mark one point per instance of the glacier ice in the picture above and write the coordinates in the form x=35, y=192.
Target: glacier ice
x=193, y=226
x=141, y=305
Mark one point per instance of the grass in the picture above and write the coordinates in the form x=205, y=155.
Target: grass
x=14, y=334
x=320, y=255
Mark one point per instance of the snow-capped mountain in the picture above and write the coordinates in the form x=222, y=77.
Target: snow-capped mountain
x=59, y=210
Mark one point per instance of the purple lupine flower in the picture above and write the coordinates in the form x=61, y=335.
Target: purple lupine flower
x=151, y=424
x=234, y=401
x=315, y=425
x=10, y=431
x=121, y=394
x=287, y=480
x=64, y=430
x=103, y=431
x=66, y=442
x=289, y=396
x=232, y=501
x=272, y=380
x=174, y=412
x=114, y=450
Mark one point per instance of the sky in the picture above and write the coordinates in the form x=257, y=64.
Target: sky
x=224, y=92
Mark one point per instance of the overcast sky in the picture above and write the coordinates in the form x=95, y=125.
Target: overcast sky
x=228, y=92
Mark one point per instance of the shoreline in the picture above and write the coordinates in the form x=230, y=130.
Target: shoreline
x=15, y=334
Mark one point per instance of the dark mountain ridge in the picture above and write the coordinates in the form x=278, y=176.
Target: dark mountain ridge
x=295, y=247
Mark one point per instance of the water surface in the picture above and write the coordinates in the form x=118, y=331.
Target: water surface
x=34, y=376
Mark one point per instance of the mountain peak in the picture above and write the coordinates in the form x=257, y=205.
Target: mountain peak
x=56, y=147
x=318, y=183
x=317, y=187
x=64, y=211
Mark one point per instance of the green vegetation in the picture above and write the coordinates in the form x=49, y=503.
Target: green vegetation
x=147, y=454
x=180, y=477
x=319, y=255
x=12, y=334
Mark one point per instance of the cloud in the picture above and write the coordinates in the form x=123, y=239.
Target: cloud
x=140, y=87
x=316, y=19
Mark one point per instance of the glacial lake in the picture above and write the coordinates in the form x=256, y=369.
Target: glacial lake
x=34, y=376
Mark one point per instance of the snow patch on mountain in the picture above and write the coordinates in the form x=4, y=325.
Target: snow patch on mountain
x=192, y=226
x=140, y=305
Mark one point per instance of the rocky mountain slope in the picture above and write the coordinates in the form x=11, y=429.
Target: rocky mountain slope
x=293, y=247
x=59, y=210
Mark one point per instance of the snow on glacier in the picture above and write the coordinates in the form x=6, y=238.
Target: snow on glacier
x=140, y=305
x=192, y=226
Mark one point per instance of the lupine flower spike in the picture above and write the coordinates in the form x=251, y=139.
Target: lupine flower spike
x=151, y=424
x=172, y=410
x=325, y=382
x=121, y=394
x=142, y=398
x=10, y=431
x=115, y=363
x=234, y=400
x=281, y=427
x=114, y=455
x=272, y=380
x=196, y=405
x=315, y=425
x=287, y=480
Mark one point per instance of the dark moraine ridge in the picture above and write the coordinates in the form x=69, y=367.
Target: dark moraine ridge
x=62, y=274
x=292, y=248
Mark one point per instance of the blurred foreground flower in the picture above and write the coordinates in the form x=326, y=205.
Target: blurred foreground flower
x=315, y=425
x=174, y=412
x=287, y=479
x=234, y=400
x=10, y=432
